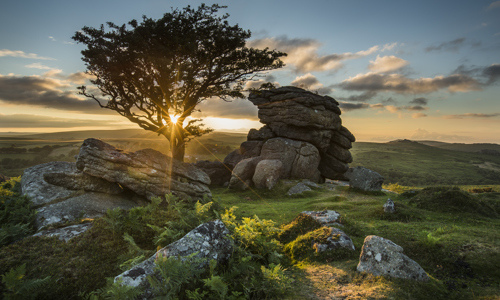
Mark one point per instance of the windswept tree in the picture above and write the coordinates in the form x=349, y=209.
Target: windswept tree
x=156, y=72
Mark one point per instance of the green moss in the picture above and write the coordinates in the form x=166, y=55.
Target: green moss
x=452, y=199
x=302, y=224
x=304, y=247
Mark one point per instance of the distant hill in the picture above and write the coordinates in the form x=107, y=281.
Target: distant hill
x=462, y=146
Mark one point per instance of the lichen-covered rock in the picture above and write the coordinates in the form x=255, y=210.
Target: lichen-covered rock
x=209, y=241
x=267, y=173
x=57, y=204
x=337, y=239
x=325, y=217
x=297, y=189
x=147, y=172
x=251, y=148
x=241, y=177
x=364, y=179
x=66, y=233
x=263, y=134
x=389, y=206
x=233, y=158
x=80, y=181
x=300, y=159
x=380, y=256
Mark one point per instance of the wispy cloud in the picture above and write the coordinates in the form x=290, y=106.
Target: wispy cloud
x=38, y=121
x=347, y=106
x=447, y=46
x=303, y=53
x=236, y=109
x=472, y=115
x=38, y=66
x=375, y=82
x=387, y=64
x=493, y=5
x=18, y=53
x=422, y=134
x=418, y=115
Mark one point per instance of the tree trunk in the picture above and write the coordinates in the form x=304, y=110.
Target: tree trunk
x=177, y=144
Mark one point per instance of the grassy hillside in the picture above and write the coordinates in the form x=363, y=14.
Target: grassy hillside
x=458, y=248
x=414, y=164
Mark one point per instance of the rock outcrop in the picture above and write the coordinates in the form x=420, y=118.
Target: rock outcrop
x=147, y=172
x=381, y=256
x=209, y=241
x=59, y=204
x=364, y=179
x=303, y=130
x=218, y=172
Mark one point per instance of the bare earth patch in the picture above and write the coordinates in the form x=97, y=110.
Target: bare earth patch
x=489, y=166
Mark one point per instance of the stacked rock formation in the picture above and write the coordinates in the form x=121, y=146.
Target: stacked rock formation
x=302, y=130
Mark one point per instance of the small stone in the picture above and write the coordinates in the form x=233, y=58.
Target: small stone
x=389, y=206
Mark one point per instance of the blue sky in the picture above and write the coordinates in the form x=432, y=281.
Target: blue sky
x=401, y=69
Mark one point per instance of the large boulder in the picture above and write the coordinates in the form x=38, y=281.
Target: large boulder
x=380, y=256
x=364, y=179
x=58, y=204
x=242, y=175
x=147, y=172
x=267, y=173
x=207, y=241
x=336, y=239
x=218, y=172
x=300, y=159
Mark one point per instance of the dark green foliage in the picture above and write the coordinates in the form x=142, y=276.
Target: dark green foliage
x=16, y=215
x=451, y=199
x=18, y=288
x=302, y=224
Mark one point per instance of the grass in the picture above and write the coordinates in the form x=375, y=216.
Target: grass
x=460, y=250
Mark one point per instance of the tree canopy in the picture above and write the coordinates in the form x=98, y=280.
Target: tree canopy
x=156, y=72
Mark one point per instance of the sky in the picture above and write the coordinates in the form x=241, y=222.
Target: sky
x=420, y=70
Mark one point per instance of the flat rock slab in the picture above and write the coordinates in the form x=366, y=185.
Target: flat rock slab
x=380, y=256
x=147, y=172
x=66, y=233
x=298, y=189
x=325, y=217
x=58, y=204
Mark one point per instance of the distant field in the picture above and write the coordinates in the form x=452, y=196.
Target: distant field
x=412, y=163
x=405, y=162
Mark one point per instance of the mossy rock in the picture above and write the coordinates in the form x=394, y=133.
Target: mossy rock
x=303, y=247
x=452, y=199
x=302, y=224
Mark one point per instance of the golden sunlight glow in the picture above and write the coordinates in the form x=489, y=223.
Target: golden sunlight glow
x=174, y=118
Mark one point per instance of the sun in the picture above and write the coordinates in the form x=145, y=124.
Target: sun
x=174, y=119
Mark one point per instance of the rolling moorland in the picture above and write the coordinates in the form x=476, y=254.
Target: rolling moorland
x=447, y=219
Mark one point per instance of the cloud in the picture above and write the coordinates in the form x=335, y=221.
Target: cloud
x=310, y=82
x=492, y=73
x=38, y=66
x=387, y=64
x=388, y=47
x=18, y=53
x=472, y=115
x=418, y=115
x=397, y=83
x=447, y=46
x=303, y=53
x=45, y=92
x=347, y=106
x=493, y=5
x=422, y=134
x=361, y=97
x=236, y=109
x=419, y=101
x=31, y=121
